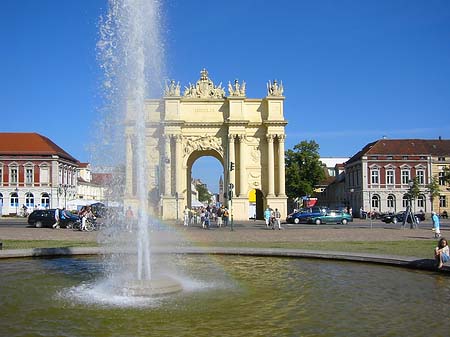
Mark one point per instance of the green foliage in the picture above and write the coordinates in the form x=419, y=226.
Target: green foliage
x=414, y=189
x=203, y=193
x=447, y=175
x=433, y=189
x=303, y=169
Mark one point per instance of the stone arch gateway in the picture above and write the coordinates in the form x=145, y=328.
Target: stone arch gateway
x=246, y=135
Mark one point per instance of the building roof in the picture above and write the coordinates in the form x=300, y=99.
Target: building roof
x=101, y=178
x=383, y=147
x=24, y=143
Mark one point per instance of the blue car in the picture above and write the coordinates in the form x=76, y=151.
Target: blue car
x=302, y=215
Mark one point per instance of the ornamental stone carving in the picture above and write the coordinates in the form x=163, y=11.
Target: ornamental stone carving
x=275, y=89
x=236, y=89
x=172, y=89
x=204, y=88
x=202, y=143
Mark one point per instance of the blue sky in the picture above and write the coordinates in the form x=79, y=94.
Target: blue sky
x=353, y=70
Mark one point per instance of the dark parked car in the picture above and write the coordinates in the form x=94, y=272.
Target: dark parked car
x=46, y=218
x=330, y=217
x=398, y=217
x=301, y=215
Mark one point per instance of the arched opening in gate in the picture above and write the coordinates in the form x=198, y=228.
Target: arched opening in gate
x=205, y=173
x=255, y=204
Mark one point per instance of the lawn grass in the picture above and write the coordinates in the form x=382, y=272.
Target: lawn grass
x=29, y=244
x=416, y=248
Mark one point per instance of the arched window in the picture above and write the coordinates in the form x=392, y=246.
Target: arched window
x=45, y=200
x=376, y=201
x=391, y=202
x=1, y=200
x=405, y=201
x=421, y=201
x=29, y=199
x=14, y=201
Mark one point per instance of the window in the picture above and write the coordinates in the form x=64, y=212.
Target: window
x=375, y=174
x=44, y=175
x=1, y=176
x=421, y=201
x=420, y=175
x=441, y=178
x=45, y=200
x=389, y=157
x=374, y=157
x=375, y=201
x=441, y=158
x=28, y=175
x=29, y=199
x=405, y=157
x=1, y=200
x=405, y=201
x=406, y=177
x=442, y=201
x=14, y=202
x=390, y=177
x=391, y=201
x=13, y=175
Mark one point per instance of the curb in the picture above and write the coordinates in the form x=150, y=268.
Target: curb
x=396, y=261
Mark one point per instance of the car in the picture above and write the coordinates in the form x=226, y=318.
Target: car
x=330, y=217
x=46, y=218
x=301, y=215
x=398, y=217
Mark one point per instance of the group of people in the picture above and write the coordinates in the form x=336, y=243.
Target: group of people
x=206, y=215
x=272, y=218
x=84, y=214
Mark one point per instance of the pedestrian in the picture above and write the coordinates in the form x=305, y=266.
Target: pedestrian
x=277, y=215
x=225, y=216
x=267, y=216
x=129, y=217
x=56, y=224
x=186, y=213
x=441, y=253
x=436, y=225
x=219, y=216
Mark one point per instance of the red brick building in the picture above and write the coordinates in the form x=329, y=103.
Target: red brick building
x=377, y=178
x=34, y=172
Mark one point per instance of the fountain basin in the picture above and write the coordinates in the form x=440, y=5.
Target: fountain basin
x=163, y=285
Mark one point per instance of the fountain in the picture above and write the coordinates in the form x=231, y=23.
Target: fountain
x=132, y=59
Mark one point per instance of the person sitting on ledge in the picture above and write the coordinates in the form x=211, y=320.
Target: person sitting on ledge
x=441, y=253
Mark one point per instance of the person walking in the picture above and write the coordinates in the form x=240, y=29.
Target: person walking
x=129, y=216
x=277, y=215
x=219, y=216
x=56, y=224
x=225, y=216
x=436, y=224
x=267, y=216
x=186, y=213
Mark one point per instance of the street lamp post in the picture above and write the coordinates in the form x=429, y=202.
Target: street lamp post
x=63, y=189
x=17, y=200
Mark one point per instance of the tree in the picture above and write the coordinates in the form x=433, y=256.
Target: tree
x=203, y=193
x=446, y=175
x=303, y=169
x=433, y=189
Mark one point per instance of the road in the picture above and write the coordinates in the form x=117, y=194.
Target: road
x=10, y=222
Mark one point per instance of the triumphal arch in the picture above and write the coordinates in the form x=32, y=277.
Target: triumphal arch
x=245, y=134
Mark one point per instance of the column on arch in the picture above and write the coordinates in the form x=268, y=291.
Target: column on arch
x=270, y=164
x=242, y=171
x=281, y=168
x=231, y=154
x=178, y=164
x=167, y=165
